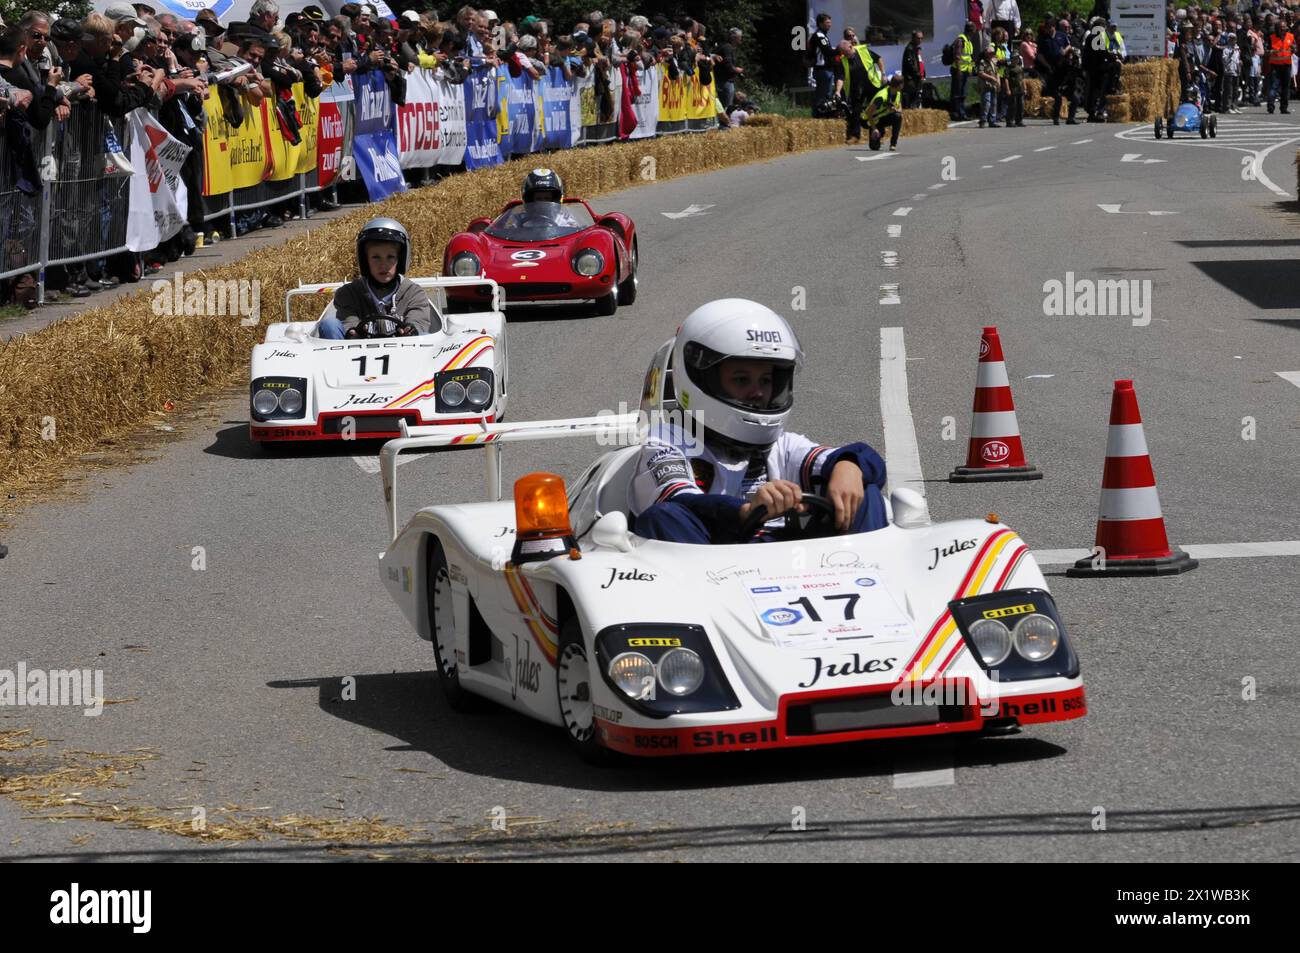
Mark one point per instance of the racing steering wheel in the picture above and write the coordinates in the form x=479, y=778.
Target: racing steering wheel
x=364, y=325
x=819, y=521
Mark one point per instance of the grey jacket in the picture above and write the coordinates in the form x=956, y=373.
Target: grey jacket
x=411, y=303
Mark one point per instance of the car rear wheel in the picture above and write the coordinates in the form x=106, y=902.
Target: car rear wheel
x=607, y=305
x=1160, y=127
x=573, y=678
x=1214, y=127
x=442, y=628
x=627, y=290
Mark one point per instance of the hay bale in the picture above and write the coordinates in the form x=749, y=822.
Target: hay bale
x=1139, y=106
x=921, y=122
x=1117, y=108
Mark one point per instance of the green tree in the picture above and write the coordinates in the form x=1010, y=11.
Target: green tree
x=12, y=10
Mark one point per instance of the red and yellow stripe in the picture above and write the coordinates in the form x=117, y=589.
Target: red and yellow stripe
x=544, y=629
x=977, y=574
x=462, y=358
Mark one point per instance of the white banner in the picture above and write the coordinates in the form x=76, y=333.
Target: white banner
x=450, y=101
x=646, y=106
x=417, y=123
x=158, y=202
x=1142, y=24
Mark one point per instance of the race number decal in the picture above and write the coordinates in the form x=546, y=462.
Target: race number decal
x=532, y=254
x=851, y=607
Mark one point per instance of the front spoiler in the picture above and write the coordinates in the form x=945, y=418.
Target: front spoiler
x=291, y=430
x=705, y=739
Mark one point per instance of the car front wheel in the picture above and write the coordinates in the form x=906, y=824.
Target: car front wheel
x=573, y=679
x=442, y=628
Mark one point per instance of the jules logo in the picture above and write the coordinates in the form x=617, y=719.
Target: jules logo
x=995, y=451
x=782, y=616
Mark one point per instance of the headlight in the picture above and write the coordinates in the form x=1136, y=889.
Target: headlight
x=681, y=671
x=1036, y=637
x=291, y=401
x=629, y=672
x=265, y=403
x=588, y=263
x=479, y=392
x=453, y=393
x=992, y=640
x=466, y=265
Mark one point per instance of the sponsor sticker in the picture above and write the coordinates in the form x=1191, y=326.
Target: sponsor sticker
x=995, y=451
x=782, y=616
x=531, y=254
x=865, y=581
x=654, y=643
x=1010, y=610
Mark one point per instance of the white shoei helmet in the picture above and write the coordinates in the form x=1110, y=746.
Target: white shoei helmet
x=735, y=328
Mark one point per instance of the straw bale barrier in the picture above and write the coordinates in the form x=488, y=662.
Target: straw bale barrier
x=94, y=378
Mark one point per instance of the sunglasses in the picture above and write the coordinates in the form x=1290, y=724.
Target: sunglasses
x=40, y=36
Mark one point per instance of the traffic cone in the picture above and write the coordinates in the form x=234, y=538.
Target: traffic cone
x=1130, y=526
x=995, y=450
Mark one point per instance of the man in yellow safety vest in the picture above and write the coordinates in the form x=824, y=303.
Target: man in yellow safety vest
x=885, y=111
x=963, y=67
x=859, y=83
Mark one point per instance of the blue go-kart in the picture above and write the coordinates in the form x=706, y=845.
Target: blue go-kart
x=1189, y=117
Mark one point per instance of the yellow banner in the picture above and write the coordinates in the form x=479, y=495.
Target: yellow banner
x=216, y=148
x=250, y=158
x=309, y=113
x=699, y=99
x=672, y=97
x=285, y=156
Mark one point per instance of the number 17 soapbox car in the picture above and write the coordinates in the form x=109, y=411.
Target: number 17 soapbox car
x=549, y=605
x=305, y=387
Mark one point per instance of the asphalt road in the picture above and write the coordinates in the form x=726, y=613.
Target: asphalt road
x=233, y=676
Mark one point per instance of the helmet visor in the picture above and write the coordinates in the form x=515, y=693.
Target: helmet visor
x=757, y=384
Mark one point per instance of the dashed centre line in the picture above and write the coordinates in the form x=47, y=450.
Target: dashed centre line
x=900, y=212
x=1011, y=158
x=1045, y=149
x=938, y=185
x=889, y=259
x=889, y=294
x=894, y=231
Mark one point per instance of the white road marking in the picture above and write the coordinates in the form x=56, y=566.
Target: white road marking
x=894, y=231
x=936, y=777
x=1045, y=149
x=1115, y=210
x=1282, y=547
x=918, y=196
x=889, y=259
x=1137, y=157
x=1011, y=158
x=371, y=464
x=938, y=185
x=885, y=155
x=902, y=453
x=688, y=212
x=986, y=167
x=889, y=294
x=900, y=212
x=1039, y=377
x=1292, y=376
x=1079, y=142
x=1236, y=136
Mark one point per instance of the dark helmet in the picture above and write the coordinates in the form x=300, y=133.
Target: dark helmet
x=383, y=230
x=543, y=185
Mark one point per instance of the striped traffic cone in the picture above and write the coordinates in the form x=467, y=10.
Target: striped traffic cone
x=1130, y=528
x=995, y=450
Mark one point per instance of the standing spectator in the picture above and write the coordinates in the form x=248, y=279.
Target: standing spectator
x=1028, y=51
x=987, y=76
x=1252, y=57
x=1094, y=59
x=1016, y=90
x=725, y=70
x=1280, y=50
x=1006, y=14
x=975, y=14
x=963, y=66
x=913, y=71
x=1065, y=85
x=823, y=59
x=1231, y=59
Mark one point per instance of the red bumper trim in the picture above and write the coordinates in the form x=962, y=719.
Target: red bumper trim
x=316, y=431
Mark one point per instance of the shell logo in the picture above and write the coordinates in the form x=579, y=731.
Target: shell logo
x=995, y=451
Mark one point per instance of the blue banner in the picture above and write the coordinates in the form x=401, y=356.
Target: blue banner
x=482, y=107
x=559, y=97
x=374, y=144
x=524, y=128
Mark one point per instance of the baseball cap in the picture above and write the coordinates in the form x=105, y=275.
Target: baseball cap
x=65, y=30
x=410, y=16
x=490, y=14
x=313, y=12
x=120, y=11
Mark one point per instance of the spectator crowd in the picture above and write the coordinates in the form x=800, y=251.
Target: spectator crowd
x=131, y=57
x=1229, y=56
